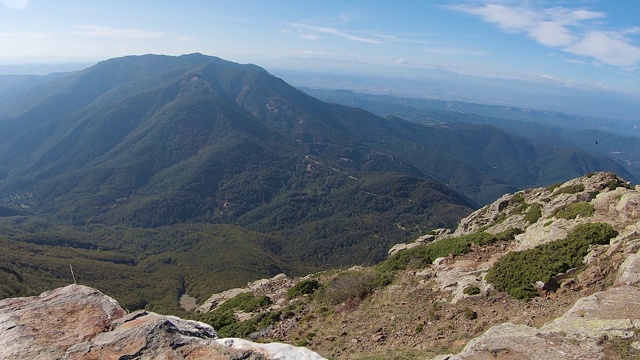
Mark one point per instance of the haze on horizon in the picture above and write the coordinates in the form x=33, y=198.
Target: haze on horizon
x=585, y=45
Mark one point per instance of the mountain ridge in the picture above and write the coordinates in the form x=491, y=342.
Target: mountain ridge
x=235, y=154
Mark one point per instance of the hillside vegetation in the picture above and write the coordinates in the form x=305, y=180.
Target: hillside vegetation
x=153, y=176
x=497, y=271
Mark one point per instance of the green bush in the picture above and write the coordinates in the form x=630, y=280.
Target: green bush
x=616, y=183
x=508, y=234
x=516, y=199
x=471, y=290
x=571, y=211
x=225, y=322
x=534, y=213
x=571, y=189
x=516, y=272
x=553, y=186
x=304, y=287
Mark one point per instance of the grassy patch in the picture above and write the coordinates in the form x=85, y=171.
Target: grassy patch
x=423, y=256
x=571, y=189
x=571, y=211
x=471, y=290
x=226, y=323
x=352, y=284
x=534, y=213
x=304, y=287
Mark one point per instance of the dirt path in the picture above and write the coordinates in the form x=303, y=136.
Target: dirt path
x=188, y=303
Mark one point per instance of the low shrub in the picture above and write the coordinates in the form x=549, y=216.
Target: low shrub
x=226, y=323
x=571, y=189
x=534, y=213
x=304, y=287
x=508, y=234
x=516, y=272
x=423, y=256
x=553, y=186
x=470, y=314
x=516, y=199
x=571, y=211
x=352, y=284
x=471, y=290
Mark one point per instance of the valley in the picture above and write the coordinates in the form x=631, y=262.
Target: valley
x=162, y=180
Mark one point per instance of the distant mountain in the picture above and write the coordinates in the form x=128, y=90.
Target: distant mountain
x=177, y=155
x=13, y=85
x=157, y=141
x=601, y=137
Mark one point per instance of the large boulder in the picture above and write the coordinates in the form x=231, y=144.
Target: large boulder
x=77, y=322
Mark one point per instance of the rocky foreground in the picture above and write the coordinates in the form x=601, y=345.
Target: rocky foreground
x=78, y=322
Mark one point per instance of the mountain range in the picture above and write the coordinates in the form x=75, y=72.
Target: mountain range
x=149, y=164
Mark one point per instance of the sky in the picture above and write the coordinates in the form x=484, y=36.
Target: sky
x=590, y=43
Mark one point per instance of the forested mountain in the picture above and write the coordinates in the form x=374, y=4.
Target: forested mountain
x=135, y=150
x=614, y=138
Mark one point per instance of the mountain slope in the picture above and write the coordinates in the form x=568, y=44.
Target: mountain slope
x=445, y=293
x=564, y=133
x=156, y=143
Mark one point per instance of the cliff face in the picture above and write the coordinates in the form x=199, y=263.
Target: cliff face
x=78, y=322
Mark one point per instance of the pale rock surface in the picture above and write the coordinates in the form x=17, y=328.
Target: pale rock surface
x=80, y=323
x=614, y=313
x=424, y=239
x=455, y=276
x=579, y=333
x=629, y=272
x=510, y=341
x=275, y=351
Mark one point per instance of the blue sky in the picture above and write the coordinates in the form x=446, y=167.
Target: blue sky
x=577, y=43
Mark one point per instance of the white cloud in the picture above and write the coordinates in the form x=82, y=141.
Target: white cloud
x=336, y=32
x=552, y=34
x=108, y=32
x=607, y=48
x=15, y=4
x=309, y=36
x=576, y=31
x=575, y=61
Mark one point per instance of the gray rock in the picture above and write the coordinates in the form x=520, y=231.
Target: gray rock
x=77, y=322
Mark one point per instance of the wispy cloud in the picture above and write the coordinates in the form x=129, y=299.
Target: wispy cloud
x=309, y=36
x=456, y=51
x=575, y=61
x=392, y=38
x=310, y=29
x=15, y=4
x=109, y=32
x=577, y=31
x=25, y=35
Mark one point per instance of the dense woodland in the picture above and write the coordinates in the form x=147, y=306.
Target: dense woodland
x=153, y=176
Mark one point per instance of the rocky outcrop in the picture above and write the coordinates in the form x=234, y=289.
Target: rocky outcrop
x=422, y=240
x=613, y=200
x=277, y=283
x=77, y=322
x=583, y=332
